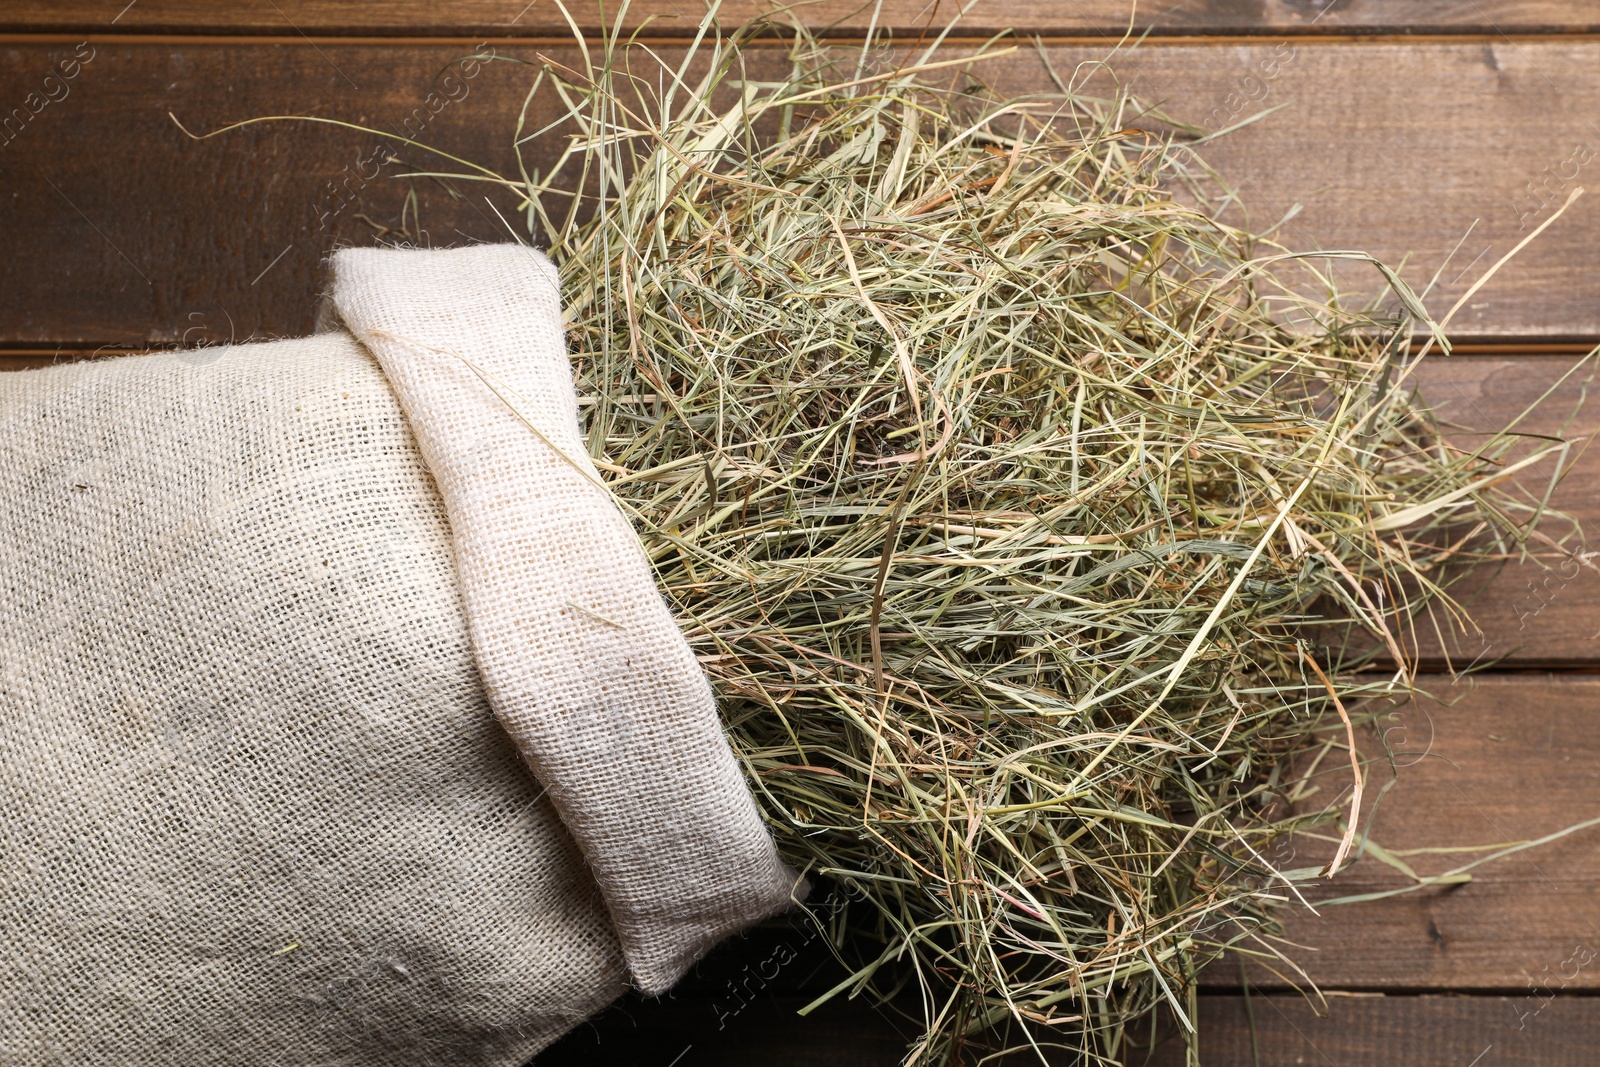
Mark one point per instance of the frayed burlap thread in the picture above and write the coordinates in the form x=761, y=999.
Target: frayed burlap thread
x=581, y=659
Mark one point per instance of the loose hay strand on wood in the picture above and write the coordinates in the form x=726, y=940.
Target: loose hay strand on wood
x=1008, y=499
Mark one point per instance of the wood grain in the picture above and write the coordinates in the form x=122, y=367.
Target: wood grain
x=1269, y=1030
x=156, y=239
x=1488, y=760
x=1538, y=613
x=1416, y=1031
x=1507, y=757
x=509, y=17
x=122, y=231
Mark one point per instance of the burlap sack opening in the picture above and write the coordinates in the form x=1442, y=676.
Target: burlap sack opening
x=340, y=719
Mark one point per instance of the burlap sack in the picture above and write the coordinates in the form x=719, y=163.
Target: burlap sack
x=260, y=611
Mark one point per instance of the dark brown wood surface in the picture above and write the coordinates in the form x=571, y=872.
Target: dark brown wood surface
x=1536, y=613
x=124, y=231
x=1408, y=124
x=1527, y=1029
x=1486, y=763
x=1385, y=1031
x=1543, y=612
x=507, y=17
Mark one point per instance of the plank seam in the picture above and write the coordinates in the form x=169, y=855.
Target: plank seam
x=1363, y=38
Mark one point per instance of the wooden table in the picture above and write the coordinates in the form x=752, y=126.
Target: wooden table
x=1410, y=124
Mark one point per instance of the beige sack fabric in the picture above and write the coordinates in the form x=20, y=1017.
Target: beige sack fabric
x=255, y=804
x=581, y=659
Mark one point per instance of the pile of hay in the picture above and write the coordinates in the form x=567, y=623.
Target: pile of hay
x=1007, y=500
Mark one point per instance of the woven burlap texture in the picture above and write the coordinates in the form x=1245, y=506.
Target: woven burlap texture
x=580, y=657
x=255, y=804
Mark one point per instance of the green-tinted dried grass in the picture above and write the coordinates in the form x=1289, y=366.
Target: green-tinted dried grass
x=1001, y=505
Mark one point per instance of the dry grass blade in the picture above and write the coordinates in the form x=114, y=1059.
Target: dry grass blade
x=1000, y=503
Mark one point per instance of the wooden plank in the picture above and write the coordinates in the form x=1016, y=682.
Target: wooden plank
x=165, y=241
x=1494, y=759
x=1540, y=612
x=1509, y=757
x=1405, y=1031
x=1269, y=1031
x=1273, y=1030
x=1404, y=151
x=1391, y=146
x=505, y=17
x=1536, y=613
